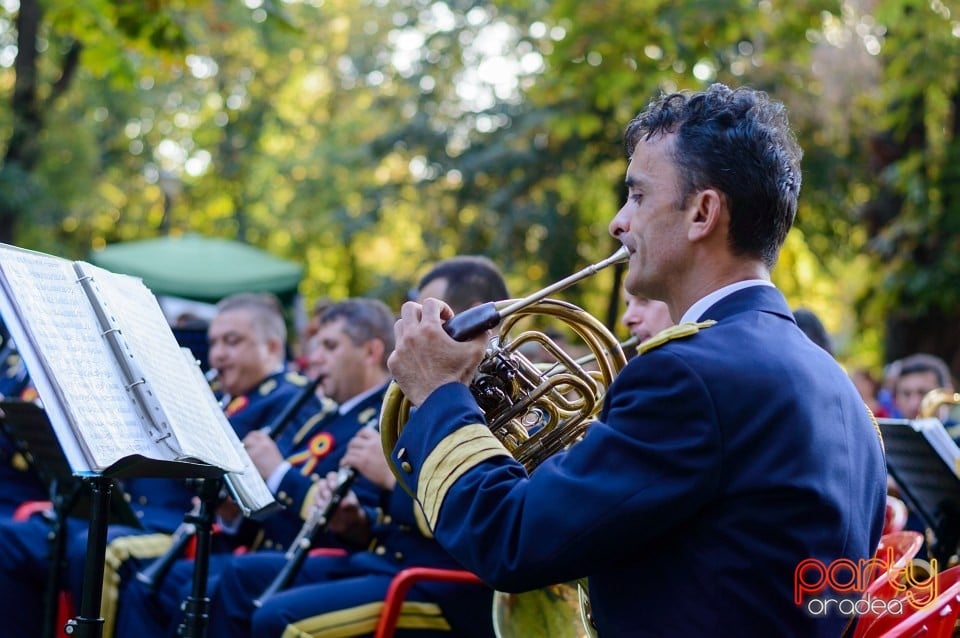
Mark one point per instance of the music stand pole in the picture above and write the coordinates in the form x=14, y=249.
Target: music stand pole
x=197, y=606
x=62, y=501
x=89, y=624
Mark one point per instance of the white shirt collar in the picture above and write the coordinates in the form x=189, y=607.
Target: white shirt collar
x=350, y=403
x=695, y=311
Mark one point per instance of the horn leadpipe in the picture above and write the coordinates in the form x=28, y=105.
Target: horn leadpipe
x=474, y=321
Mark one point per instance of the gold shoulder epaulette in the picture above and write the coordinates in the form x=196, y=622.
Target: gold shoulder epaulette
x=267, y=387
x=296, y=378
x=368, y=414
x=674, y=332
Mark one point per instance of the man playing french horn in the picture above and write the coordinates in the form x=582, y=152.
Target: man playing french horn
x=728, y=452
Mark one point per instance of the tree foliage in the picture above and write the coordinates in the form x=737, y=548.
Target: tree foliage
x=367, y=138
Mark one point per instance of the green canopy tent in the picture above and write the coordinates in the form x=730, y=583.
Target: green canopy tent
x=188, y=273
x=201, y=268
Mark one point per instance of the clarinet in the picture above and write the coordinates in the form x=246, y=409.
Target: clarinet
x=283, y=419
x=315, y=525
x=152, y=576
x=155, y=572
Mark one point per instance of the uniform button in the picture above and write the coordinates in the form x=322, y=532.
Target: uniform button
x=268, y=543
x=142, y=500
x=314, y=477
x=281, y=495
x=387, y=519
x=380, y=550
x=406, y=467
x=139, y=513
x=401, y=453
x=127, y=497
x=398, y=556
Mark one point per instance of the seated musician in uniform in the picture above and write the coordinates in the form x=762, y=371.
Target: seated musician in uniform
x=728, y=453
x=645, y=317
x=918, y=374
x=343, y=596
x=349, y=355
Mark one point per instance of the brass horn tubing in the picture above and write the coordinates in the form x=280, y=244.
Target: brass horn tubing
x=564, y=383
x=538, y=388
x=534, y=452
x=564, y=364
x=935, y=399
x=531, y=385
x=630, y=342
x=556, y=434
x=573, y=375
x=521, y=406
x=548, y=344
x=587, y=328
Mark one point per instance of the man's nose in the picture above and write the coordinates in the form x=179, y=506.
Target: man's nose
x=618, y=224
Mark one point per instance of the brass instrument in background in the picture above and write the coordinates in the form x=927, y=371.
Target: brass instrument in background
x=535, y=413
x=935, y=399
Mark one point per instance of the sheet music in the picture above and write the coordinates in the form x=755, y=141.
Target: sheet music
x=171, y=374
x=248, y=488
x=936, y=434
x=66, y=355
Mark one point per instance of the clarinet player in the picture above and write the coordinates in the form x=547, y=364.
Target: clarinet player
x=339, y=596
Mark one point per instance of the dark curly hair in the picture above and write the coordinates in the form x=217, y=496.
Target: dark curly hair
x=739, y=142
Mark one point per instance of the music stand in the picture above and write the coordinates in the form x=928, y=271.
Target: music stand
x=923, y=460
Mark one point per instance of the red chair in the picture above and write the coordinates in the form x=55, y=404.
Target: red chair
x=905, y=545
x=401, y=584
x=29, y=508
x=895, y=518
x=934, y=620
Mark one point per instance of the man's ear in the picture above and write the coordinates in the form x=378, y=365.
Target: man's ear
x=374, y=350
x=705, y=214
x=276, y=347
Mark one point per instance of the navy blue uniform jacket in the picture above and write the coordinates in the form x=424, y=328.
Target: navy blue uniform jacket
x=719, y=462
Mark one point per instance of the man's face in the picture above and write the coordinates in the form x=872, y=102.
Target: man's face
x=910, y=390
x=342, y=364
x=241, y=356
x=645, y=317
x=649, y=224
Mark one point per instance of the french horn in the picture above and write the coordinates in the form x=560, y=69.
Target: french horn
x=538, y=399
